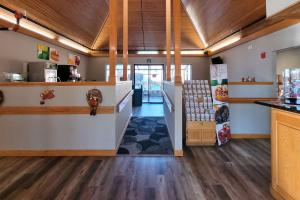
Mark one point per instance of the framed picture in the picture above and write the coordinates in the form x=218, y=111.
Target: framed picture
x=73, y=60
x=42, y=52
x=54, y=55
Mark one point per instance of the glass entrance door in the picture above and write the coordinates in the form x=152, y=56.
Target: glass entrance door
x=150, y=78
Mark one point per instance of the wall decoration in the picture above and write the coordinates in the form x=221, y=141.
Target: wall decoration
x=54, y=55
x=42, y=52
x=219, y=87
x=94, y=98
x=1, y=97
x=73, y=59
x=46, y=95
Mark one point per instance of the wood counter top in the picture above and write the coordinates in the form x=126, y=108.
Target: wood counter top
x=32, y=84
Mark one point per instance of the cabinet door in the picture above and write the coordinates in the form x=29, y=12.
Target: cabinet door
x=286, y=154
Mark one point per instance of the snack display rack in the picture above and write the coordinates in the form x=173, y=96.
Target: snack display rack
x=199, y=113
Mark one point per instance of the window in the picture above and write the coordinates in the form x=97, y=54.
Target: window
x=119, y=72
x=186, y=72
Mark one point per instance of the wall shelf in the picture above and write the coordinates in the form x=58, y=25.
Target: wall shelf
x=250, y=83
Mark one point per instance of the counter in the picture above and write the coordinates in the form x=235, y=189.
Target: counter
x=281, y=106
x=285, y=150
x=63, y=125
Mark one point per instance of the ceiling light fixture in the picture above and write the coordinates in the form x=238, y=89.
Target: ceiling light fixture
x=192, y=52
x=226, y=42
x=147, y=52
x=24, y=23
x=7, y=16
x=188, y=52
x=72, y=44
x=37, y=29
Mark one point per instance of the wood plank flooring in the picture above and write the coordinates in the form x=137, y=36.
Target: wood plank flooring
x=240, y=170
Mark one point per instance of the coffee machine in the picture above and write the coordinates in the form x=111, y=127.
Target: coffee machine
x=67, y=73
x=42, y=72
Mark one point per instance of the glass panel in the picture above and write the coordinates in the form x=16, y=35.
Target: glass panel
x=150, y=77
x=155, y=83
x=119, y=72
x=142, y=80
x=186, y=72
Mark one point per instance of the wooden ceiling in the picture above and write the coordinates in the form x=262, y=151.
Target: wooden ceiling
x=79, y=20
x=219, y=18
x=86, y=21
x=147, y=28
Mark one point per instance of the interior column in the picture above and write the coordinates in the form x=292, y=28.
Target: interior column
x=113, y=41
x=177, y=40
x=168, y=39
x=125, y=39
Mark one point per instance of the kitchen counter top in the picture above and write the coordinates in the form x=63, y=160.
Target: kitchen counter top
x=280, y=105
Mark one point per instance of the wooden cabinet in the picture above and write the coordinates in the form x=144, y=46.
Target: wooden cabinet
x=199, y=133
x=285, y=155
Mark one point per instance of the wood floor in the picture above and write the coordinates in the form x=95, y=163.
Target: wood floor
x=240, y=170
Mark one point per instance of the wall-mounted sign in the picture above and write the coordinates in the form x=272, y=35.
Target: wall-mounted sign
x=42, y=52
x=263, y=55
x=73, y=59
x=54, y=55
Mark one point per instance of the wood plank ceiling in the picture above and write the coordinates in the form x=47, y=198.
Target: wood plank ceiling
x=218, y=19
x=86, y=21
x=147, y=28
x=79, y=20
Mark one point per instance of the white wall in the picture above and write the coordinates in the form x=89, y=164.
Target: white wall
x=200, y=65
x=288, y=58
x=174, y=118
x=275, y=6
x=244, y=60
x=61, y=132
x=16, y=49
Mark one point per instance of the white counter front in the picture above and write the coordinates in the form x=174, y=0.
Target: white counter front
x=62, y=124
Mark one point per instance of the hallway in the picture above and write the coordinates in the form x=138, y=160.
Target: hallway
x=149, y=110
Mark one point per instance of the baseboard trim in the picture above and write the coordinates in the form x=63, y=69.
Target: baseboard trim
x=178, y=153
x=23, y=153
x=250, y=136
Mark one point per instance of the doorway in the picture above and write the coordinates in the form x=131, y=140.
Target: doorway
x=147, y=132
x=150, y=79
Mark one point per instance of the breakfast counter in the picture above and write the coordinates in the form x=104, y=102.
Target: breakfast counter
x=285, y=150
x=62, y=124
